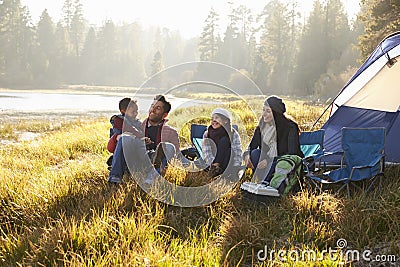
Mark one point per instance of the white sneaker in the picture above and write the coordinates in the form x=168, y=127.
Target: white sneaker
x=266, y=190
x=260, y=189
x=246, y=186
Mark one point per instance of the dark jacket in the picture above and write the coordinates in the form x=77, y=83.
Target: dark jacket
x=287, y=132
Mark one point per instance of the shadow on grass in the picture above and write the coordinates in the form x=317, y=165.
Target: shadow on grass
x=84, y=198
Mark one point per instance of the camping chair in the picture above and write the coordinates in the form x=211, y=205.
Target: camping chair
x=362, y=159
x=312, y=146
x=195, y=153
x=196, y=136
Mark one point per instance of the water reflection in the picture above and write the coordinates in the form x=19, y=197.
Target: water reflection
x=47, y=102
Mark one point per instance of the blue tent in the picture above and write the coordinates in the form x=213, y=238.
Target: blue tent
x=371, y=98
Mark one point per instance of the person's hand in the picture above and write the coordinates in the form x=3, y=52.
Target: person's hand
x=118, y=137
x=262, y=164
x=248, y=162
x=147, y=140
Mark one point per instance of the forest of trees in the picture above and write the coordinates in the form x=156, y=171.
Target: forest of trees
x=283, y=52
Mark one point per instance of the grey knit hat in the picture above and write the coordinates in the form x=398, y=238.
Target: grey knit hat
x=223, y=112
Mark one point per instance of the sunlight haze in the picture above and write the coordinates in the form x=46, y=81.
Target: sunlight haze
x=187, y=17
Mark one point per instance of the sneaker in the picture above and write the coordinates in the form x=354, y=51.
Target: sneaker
x=114, y=180
x=260, y=189
x=266, y=190
x=246, y=186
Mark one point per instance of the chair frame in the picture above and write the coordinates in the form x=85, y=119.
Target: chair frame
x=312, y=146
x=352, y=179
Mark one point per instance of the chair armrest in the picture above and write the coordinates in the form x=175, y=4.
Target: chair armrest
x=325, y=158
x=371, y=164
x=328, y=154
x=333, y=153
x=377, y=159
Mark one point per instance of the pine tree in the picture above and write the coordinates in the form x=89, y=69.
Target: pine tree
x=209, y=40
x=107, y=53
x=46, y=56
x=275, y=42
x=156, y=68
x=17, y=44
x=380, y=18
x=77, y=29
x=89, y=57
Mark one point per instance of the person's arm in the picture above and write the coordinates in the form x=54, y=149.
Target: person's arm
x=134, y=128
x=175, y=140
x=254, y=144
x=206, y=148
x=118, y=122
x=236, y=149
x=112, y=143
x=170, y=135
x=294, y=141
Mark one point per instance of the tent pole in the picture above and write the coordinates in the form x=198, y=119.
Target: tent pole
x=330, y=104
x=312, y=127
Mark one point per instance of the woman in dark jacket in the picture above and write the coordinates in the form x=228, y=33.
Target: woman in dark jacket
x=275, y=135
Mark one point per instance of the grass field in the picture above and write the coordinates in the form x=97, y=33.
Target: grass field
x=56, y=209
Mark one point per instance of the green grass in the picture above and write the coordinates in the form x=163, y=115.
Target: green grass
x=56, y=209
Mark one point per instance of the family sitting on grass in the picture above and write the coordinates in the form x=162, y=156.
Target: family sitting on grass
x=152, y=142
x=150, y=145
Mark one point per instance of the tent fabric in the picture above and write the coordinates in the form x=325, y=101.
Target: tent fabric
x=389, y=48
x=384, y=47
x=362, y=118
x=371, y=98
x=379, y=93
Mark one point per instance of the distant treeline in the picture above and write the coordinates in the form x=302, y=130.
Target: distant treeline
x=283, y=52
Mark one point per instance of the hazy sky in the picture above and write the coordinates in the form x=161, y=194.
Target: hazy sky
x=187, y=16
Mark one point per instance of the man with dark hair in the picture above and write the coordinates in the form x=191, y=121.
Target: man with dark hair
x=161, y=143
x=167, y=105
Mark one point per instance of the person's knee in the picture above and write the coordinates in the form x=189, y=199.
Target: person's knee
x=224, y=143
x=255, y=156
x=169, y=150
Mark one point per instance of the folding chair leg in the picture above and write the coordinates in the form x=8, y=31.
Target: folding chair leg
x=311, y=184
x=379, y=177
x=347, y=189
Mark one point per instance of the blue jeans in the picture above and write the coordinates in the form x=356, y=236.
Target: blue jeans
x=130, y=153
x=263, y=174
x=134, y=150
x=162, y=155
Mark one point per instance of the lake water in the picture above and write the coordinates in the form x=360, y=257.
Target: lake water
x=37, y=104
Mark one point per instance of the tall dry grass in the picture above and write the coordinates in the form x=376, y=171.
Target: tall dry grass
x=56, y=209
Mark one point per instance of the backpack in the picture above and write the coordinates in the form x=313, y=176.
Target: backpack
x=288, y=171
x=285, y=177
